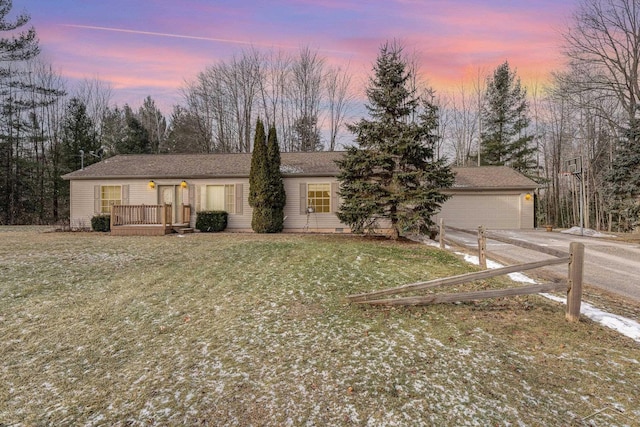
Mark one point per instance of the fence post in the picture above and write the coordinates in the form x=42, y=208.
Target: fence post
x=574, y=293
x=112, y=217
x=441, y=233
x=482, y=247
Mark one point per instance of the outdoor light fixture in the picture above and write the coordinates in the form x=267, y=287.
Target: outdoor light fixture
x=152, y=184
x=183, y=184
x=527, y=196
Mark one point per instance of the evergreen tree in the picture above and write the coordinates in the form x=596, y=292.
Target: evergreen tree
x=78, y=141
x=77, y=135
x=392, y=174
x=259, y=181
x=258, y=173
x=136, y=138
x=154, y=123
x=504, y=139
x=18, y=45
x=624, y=179
x=266, y=187
x=276, y=198
x=306, y=134
x=114, y=129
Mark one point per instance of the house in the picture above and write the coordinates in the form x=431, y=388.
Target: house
x=493, y=196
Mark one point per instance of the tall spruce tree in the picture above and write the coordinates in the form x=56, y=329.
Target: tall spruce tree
x=623, y=179
x=504, y=118
x=136, y=138
x=392, y=173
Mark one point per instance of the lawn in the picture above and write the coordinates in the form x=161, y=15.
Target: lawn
x=241, y=329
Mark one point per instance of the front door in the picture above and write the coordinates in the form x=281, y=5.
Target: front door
x=172, y=195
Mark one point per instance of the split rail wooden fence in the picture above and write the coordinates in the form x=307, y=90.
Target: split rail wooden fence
x=573, y=285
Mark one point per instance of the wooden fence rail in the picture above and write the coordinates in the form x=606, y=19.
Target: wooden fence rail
x=515, y=242
x=573, y=285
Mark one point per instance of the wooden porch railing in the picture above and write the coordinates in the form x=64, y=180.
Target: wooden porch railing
x=141, y=215
x=186, y=214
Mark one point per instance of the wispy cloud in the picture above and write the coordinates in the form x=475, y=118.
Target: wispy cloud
x=184, y=36
x=177, y=36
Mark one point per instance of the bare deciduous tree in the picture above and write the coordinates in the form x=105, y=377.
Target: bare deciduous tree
x=339, y=97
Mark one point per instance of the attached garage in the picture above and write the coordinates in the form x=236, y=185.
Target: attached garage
x=496, y=197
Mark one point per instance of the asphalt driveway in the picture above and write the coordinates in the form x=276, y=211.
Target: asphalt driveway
x=609, y=265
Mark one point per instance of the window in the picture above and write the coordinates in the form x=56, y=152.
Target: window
x=221, y=198
x=110, y=195
x=319, y=197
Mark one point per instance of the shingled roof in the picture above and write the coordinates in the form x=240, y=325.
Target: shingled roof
x=192, y=166
x=491, y=178
x=322, y=163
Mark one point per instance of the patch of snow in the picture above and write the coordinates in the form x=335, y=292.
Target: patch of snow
x=625, y=326
x=585, y=232
x=290, y=169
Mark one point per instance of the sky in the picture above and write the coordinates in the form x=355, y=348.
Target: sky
x=151, y=47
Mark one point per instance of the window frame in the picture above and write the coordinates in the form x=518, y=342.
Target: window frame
x=106, y=202
x=229, y=197
x=324, y=188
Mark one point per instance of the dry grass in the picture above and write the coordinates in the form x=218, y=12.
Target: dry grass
x=253, y=330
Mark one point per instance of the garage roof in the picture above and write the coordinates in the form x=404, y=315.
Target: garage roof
x=491, y=178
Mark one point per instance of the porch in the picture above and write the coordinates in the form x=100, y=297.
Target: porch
x=148, y=220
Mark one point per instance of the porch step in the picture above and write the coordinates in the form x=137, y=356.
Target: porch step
x=183, y=230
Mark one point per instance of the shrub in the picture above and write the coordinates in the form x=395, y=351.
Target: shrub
x=101, y=223
x=211, y=221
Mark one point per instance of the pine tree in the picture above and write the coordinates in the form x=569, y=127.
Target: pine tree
x=136, y=138
x=17, y=44
x=77, y=134
x=393, y=174
x=504, y=140
x=624, y=179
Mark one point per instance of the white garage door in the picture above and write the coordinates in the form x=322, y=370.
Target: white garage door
x=492, y=211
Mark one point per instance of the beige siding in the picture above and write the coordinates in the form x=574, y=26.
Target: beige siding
x=492, y=210
x=527, y=212
x=296, y=219
x=239, y=221
x=83, y=198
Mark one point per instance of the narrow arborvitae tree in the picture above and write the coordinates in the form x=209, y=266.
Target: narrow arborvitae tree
x=393, y=174
x=505, y=121
x=259, y=181
x=276, y=198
